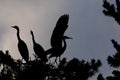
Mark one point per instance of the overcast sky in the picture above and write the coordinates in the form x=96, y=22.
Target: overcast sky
x=90, y=29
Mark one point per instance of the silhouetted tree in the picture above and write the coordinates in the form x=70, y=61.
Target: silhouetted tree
x=113, y=10
x=74, y=69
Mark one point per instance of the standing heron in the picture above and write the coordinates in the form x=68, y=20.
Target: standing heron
x=58, y=38
x=38, y=49
x=22, y=47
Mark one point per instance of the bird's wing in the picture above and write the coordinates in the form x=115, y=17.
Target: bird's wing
x=59, y=30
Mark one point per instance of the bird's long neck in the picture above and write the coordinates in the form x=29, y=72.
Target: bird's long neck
x=64, y=44
x=18, y=34
x=33, y=38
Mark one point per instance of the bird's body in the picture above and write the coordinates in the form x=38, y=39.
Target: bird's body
x=58, y=51
x=23, y=50
x=38, y=49
x=22, y=47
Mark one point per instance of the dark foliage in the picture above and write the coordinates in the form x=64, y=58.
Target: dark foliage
x=38, y=70
x=100, y=77
x=115, y=59
x=113, y=10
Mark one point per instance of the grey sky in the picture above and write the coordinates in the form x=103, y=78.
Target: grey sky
x=90, y=28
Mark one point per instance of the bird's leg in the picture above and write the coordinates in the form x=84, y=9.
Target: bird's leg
x=59, y=58
x=22, y=60
x=49, y=61
x=56, y=61
x=30, y=58
x=36, y=57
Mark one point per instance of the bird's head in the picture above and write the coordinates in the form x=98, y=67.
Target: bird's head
x=66, y=37
x=16, y=27
x=31, y=32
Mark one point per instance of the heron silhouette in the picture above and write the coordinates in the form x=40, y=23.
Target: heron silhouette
x=22, y=47
x=58, y=38
x=38, y=49
x=59, y=30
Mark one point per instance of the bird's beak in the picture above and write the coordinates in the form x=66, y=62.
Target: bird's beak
x=68, y=37
x=13, y=26
x=31, y=31
x=16, y=27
